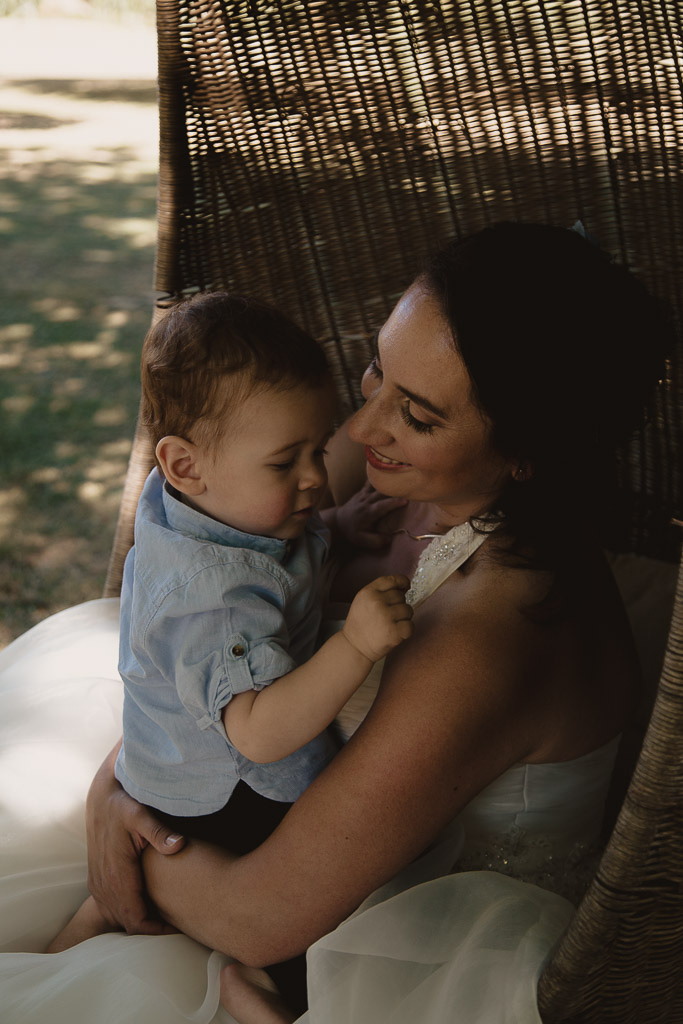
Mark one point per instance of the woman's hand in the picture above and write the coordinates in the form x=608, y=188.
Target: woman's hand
x=118, y=830
x=358, y=519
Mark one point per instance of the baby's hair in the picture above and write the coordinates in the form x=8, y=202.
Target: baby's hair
x=213, y=339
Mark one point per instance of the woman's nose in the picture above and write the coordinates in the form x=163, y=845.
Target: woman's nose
x=368, y=425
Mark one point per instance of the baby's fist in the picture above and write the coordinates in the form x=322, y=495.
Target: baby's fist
x=379, y=618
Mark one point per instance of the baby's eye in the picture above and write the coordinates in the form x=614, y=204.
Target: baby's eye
x=283, y=465
x=320, y=453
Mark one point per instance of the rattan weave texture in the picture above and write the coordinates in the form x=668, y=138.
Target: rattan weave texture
x=314, y=153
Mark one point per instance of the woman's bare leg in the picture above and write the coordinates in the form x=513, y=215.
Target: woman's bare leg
x=86, y=922
x=251, y=997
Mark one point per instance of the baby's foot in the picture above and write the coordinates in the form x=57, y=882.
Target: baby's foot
x=251, y=997
x=86, y=922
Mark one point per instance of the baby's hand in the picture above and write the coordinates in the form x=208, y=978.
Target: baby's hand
x=379, y=618
x=358, y=517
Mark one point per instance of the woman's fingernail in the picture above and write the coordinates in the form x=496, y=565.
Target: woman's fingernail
x=172, y=840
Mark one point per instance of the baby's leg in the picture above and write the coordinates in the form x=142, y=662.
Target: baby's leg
x=251, y=997
x=247, y=993
x=86, y=922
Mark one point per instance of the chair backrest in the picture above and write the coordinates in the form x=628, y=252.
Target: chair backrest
x=621, y=959
x=315, y=152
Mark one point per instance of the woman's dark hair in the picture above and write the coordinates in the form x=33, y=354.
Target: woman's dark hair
x=563, y=347
x=212, y=339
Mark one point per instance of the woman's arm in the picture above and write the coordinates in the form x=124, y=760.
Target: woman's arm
x=444, y=724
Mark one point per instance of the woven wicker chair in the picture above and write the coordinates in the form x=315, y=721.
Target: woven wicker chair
x=313, y=153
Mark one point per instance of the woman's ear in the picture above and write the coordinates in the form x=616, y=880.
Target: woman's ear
x=179, y=462
x=522, y=471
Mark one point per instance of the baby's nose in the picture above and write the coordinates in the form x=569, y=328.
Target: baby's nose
x=314, y=478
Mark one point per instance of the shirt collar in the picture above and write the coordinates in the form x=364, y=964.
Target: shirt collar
x=187, y=520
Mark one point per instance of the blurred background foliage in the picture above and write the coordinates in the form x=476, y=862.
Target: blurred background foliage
x=85, y=8
x=77, y=229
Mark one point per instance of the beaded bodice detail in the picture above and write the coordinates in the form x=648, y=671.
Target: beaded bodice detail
x=442, y=556
x=541, y=822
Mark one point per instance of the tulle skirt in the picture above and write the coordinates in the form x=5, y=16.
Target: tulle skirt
x=424, y=949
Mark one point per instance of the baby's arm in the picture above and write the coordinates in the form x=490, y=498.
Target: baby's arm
x=274, y=722
x=87, y=922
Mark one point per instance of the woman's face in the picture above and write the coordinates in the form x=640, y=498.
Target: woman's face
x=424, y=437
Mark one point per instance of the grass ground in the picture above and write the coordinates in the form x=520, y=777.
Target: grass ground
x=77, y=226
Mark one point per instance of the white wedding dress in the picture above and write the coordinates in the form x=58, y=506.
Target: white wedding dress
x=425, y=949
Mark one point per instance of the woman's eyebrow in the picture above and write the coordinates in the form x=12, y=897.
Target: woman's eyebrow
x=418, y=399
x=424, y=402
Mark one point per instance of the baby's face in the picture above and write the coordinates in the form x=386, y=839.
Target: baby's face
x=267, y=475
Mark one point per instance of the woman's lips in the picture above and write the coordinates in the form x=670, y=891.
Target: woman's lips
x=381, y=461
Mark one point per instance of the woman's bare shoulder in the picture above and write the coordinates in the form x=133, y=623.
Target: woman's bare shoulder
x=533, y=675
x=481, y=615
x=465, y=676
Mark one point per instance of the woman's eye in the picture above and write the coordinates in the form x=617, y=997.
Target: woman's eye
x=374, y=368
x=320, y=453
x=418, y=425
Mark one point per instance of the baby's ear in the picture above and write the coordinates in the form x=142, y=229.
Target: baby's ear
x=179, y=461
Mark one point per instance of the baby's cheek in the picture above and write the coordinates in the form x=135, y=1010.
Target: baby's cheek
x=277, y=507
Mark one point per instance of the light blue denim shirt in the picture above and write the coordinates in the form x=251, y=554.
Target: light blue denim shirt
x=207, y=612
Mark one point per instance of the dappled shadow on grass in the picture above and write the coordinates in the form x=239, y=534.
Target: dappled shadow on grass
x=14, y=119
x=76, y=257
x=114, y=91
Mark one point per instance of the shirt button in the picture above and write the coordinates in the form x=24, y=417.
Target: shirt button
x=237, y=651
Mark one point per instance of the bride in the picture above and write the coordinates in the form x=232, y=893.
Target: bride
x=501, y=382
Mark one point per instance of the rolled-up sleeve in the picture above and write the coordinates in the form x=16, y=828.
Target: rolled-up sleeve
x=221, y=633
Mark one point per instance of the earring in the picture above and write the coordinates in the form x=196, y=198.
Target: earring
x=520, y=474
